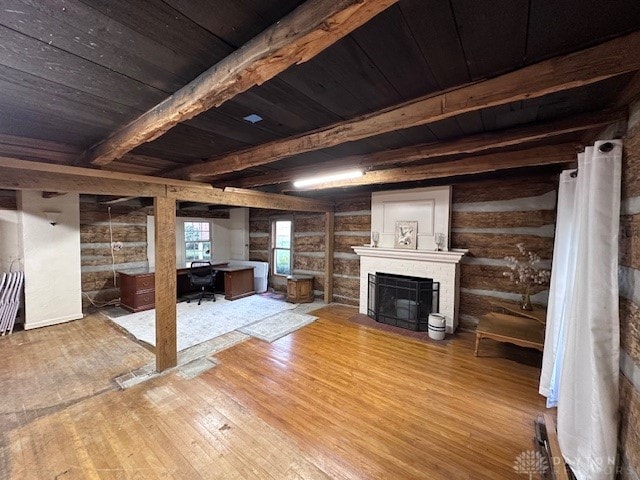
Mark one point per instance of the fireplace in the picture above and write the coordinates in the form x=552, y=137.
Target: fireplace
x=442, y=267
x=402, y=301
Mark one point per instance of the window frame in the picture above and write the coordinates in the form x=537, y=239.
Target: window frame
x=185, y=241
x=272, y=244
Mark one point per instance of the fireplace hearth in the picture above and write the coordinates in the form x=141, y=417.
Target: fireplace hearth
x=402, y=301
x=442, y=267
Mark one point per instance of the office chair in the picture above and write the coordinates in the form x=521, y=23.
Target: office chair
x=202, y=274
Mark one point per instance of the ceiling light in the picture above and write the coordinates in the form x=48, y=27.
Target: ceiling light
x=253, y=118
x=333, y=177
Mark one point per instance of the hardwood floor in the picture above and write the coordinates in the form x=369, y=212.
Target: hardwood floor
x=45, y=369
x=332, y=400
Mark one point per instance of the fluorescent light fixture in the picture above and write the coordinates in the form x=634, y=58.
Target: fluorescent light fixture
x=333, y=177
x=253, y=118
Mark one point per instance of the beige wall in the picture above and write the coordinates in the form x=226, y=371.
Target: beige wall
x=51, y=258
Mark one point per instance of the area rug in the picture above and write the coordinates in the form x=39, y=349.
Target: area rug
x=199, y=323
x=276, y=295
x=276, y=326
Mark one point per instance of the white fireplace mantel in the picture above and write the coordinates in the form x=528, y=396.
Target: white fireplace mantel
x=451, y=256
x=442, y=267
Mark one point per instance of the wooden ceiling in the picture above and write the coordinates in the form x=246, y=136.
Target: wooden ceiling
x=73, y=73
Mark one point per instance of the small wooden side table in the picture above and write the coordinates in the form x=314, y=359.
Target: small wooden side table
x=300, y=288
x=525, y=328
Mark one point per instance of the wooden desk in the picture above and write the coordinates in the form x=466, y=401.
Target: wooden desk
x=137, y=286
x=525, y=329
x=238, y=282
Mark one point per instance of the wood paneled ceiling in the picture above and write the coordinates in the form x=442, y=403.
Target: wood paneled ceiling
x=73, y=72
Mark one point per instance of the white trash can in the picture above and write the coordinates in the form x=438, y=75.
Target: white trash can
x=437, y=326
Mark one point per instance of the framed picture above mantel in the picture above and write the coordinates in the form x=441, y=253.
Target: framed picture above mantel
x=406, y=235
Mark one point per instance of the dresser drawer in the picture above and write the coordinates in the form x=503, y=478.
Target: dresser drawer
x=136, y=283
x=144, y=282
x=144, y=299
x=139, y=301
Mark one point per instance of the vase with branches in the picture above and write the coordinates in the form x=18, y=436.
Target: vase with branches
x=525, y=270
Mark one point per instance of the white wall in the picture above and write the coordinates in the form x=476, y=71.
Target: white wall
x=239, y=233
x=219, y=237
x=230, y=237
x=10, y=251
x=51, y=253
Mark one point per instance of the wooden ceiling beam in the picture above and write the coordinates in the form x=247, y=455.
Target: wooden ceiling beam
x=37, y=150
x=609, y=59
x=298, y=37
x=23, y=179
x=52, y=194
x=466, y=145
x=630, y=93
x=548, y=155
x=24, y=175
x=238, y=197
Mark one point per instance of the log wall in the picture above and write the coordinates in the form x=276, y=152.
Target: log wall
x=129, y=226
x=308, y=245
x=629, y=433
x=352, y=227
x=491, y=218
x=8, y=200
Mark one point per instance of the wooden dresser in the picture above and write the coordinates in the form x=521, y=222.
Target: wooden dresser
x=137, y=290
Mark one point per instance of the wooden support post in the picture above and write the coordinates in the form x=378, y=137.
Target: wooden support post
x=165, y=278
x=328, y=257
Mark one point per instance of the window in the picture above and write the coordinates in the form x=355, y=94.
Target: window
x=281, y=246
x=197, y=241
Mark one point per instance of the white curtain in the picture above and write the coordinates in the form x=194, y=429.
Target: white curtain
x=561, y=274
x=581, y=356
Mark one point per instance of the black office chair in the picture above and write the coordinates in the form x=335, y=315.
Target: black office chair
x=202, y=274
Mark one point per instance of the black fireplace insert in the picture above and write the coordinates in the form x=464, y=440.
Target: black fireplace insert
x=402, y=301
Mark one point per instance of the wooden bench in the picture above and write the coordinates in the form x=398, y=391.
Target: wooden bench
x=525, y=329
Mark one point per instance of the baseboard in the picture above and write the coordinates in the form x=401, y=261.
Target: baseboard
x=55, y=321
